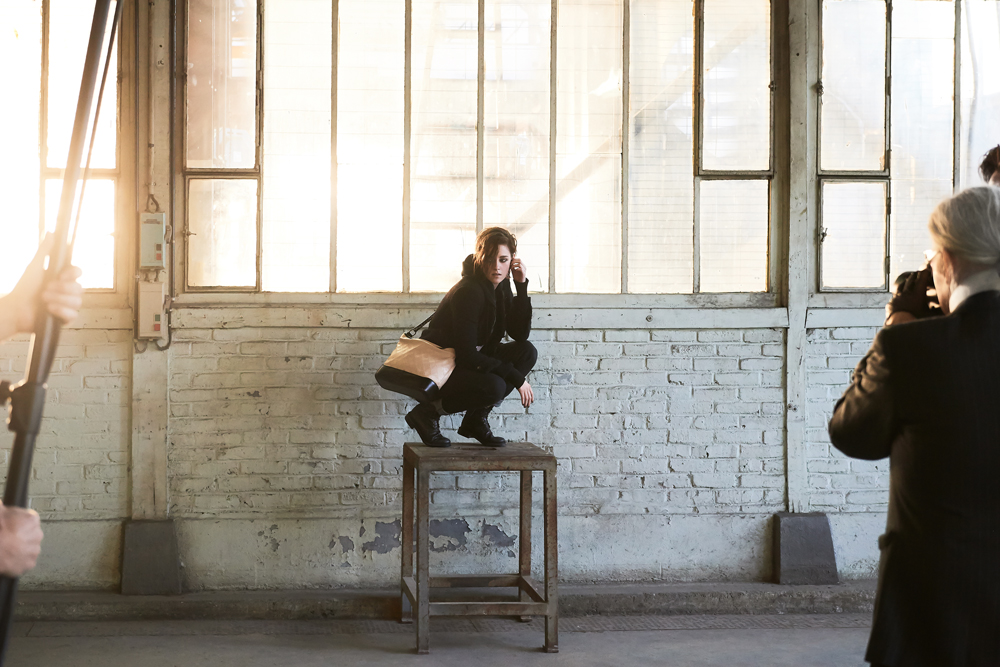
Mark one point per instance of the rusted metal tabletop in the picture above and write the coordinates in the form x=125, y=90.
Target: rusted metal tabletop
x=535, y=598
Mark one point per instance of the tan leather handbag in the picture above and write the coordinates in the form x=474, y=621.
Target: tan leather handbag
x=416, y=368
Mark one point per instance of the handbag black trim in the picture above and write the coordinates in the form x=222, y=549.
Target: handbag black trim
x=417, y=387
x=420, y=388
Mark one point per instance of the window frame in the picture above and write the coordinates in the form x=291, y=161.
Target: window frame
x=125, y=206
x=189, y=174
x=703, y=174
x=867, y=297
x=776, y=174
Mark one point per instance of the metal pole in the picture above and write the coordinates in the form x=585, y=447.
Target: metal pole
x=28, y=397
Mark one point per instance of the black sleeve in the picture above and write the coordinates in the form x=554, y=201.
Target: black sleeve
x=519, y=318
x=467, y=307
x=864, y=423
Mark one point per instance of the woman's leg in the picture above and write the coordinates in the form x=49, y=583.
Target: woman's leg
x=467, y=390
x=521, y=354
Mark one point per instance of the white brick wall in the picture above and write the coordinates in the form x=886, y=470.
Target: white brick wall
x=835, y=482
x=664, y=437
x=289, y=422
x=82, y=452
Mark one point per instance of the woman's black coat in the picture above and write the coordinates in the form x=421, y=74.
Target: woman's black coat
x=927, y=395
x=475, y=314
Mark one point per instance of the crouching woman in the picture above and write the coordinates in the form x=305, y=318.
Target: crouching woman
x=473, y=318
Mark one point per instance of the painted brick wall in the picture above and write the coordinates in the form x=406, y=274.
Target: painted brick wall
x=288, y=422
x=81, y=457
x=835, y=482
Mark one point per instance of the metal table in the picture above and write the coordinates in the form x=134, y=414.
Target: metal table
x=535, y=598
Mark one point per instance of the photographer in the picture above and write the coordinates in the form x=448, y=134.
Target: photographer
x=989, y=168
x=927, y=395
x=20, y=529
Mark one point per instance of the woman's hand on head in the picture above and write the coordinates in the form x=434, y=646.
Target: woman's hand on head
x=527, y=395
x=518, y=270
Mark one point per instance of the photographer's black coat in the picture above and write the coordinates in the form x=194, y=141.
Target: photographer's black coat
x=927, y=395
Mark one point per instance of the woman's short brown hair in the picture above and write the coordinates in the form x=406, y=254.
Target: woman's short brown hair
x=990, y=164
x=487, y=243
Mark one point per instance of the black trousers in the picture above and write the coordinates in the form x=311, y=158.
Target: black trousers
x=467, y=389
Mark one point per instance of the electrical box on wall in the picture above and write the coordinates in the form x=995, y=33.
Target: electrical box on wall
x=152, y=227
x=152, y=321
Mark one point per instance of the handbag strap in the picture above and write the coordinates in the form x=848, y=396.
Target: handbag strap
x=410, y=333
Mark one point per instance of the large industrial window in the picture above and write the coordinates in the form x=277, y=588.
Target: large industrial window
x=366, y=158
x=910, y=102
x=42, y=46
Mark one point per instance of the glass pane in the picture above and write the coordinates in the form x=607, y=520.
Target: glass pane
x=21, y=43
x=443, y=141
x=661, y=170
x=734, y=217
x=516, y=163
x=295, y=252
x=221, y=83
x=923, y=84
x=853, y=100
x=589, y=146
x=94, y=251
x=853, y=248
x=980, y=85
x=370, y=147
x=737, y=80
x=222, y=219
x=69, y=32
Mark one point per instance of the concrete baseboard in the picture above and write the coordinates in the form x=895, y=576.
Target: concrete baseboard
x=581, y=600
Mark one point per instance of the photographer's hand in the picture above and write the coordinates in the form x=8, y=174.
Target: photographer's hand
x=20, y=540
x=910, y=301
x=62, y=297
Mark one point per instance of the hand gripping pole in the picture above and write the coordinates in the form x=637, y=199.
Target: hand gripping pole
x=28, y=397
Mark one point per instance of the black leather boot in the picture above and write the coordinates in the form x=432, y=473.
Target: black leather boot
x=424, y=420
x=476, y=425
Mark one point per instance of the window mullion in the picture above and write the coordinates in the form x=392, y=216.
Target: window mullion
x=260, y=144
x=481, y=113
x=956, y=117
x=43, y=109
x=626, y=36
x=553, y=97
x=407, y=129
x=335, y=51
x=888, y=142
x=697, y=110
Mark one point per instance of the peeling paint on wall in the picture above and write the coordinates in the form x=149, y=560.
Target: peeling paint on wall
x=346, y=543
x=386, y=537
x=496, y=536
x=448, y=534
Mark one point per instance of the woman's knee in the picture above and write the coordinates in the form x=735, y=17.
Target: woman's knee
x=495, y=389
x=527, y=354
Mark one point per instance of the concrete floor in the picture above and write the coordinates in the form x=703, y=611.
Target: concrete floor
x=685, y=641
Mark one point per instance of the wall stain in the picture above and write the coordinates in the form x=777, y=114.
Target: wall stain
x=452, y=530
x=254, y=394
x=496, y=535
x=346, y=543
x=386, y=537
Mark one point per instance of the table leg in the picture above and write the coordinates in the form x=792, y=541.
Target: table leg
x=406, y=540
x=423, y=549
x=551, y=564
x=524, y=539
